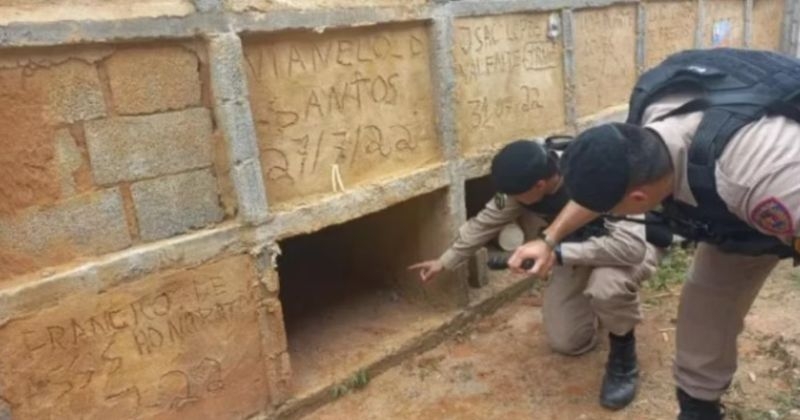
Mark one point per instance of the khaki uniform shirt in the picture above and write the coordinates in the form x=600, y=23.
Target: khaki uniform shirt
x=757, y=175
x=624, y=245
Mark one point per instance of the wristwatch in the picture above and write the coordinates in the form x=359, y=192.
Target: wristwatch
x=550, y=243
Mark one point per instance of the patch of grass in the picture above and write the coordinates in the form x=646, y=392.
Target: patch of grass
x=359, y=380
x=673, y=268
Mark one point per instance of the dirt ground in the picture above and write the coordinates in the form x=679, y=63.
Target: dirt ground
x=502, y=368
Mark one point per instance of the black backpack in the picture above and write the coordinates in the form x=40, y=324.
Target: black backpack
x=738, y=87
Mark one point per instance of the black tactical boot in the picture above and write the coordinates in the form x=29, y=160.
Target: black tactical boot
x=694, y=409
x=621, y=379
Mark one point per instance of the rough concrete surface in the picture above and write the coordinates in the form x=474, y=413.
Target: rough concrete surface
x=28, y=170
x=181, y=344
x=153, y=79
x=267, y=5
x=69, y=161
x=509, y=75
x=605, y=63
x=767, y=27
x=89, y=224
x=132, y=148
x=355, y=100
x=47, y=10
x=670, y=27
x=174, y=204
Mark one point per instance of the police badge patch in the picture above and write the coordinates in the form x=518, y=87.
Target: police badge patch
x=500, y=200
x=773, y=217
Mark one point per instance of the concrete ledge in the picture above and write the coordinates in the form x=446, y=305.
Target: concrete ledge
x=42, y=289
x=351, y=205
x=497, y=7
x=321, y=19
x=211, y=19
x=24, y=34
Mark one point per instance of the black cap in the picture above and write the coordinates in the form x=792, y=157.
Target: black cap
x=595, y=168
x=519, y=165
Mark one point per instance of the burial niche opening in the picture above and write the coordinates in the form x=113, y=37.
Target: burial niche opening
x=347, y=295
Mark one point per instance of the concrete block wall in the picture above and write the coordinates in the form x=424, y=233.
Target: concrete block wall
x=155, y=153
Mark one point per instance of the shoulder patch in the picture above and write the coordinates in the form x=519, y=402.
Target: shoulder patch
x=772, y=216
x=500, y=200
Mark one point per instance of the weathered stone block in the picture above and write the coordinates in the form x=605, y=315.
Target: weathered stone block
x=72, y=91
x=509, y=79
x=145, y=80
x=723, y=24
x=178, y=344
x=605, y=57
x=357, y=101
x=767, y=24
x=174, y=204
x=131, y=148
x=670, y=28
x=88, y=224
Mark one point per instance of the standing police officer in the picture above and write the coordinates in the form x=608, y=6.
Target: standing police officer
x=713, y=138
x=599, y=272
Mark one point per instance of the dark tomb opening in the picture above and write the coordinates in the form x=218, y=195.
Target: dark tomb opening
x=347, y=295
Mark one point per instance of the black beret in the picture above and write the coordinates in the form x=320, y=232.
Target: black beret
x=518, y=166
x=595, y=168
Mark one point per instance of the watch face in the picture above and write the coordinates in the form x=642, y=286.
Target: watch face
x=500, y=200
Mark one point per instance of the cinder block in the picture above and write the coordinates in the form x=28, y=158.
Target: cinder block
x=227, y=67
x=72, y=91
x=237, y=125
x=183, y=343
x=132, y=148
x=145, y=80
x=69, y=161
x=89, y=224
x=174, y=204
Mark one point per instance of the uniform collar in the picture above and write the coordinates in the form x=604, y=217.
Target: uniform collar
x=673, y=137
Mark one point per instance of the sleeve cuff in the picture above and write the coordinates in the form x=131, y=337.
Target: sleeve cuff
x=571, y=253
x=450, y=260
